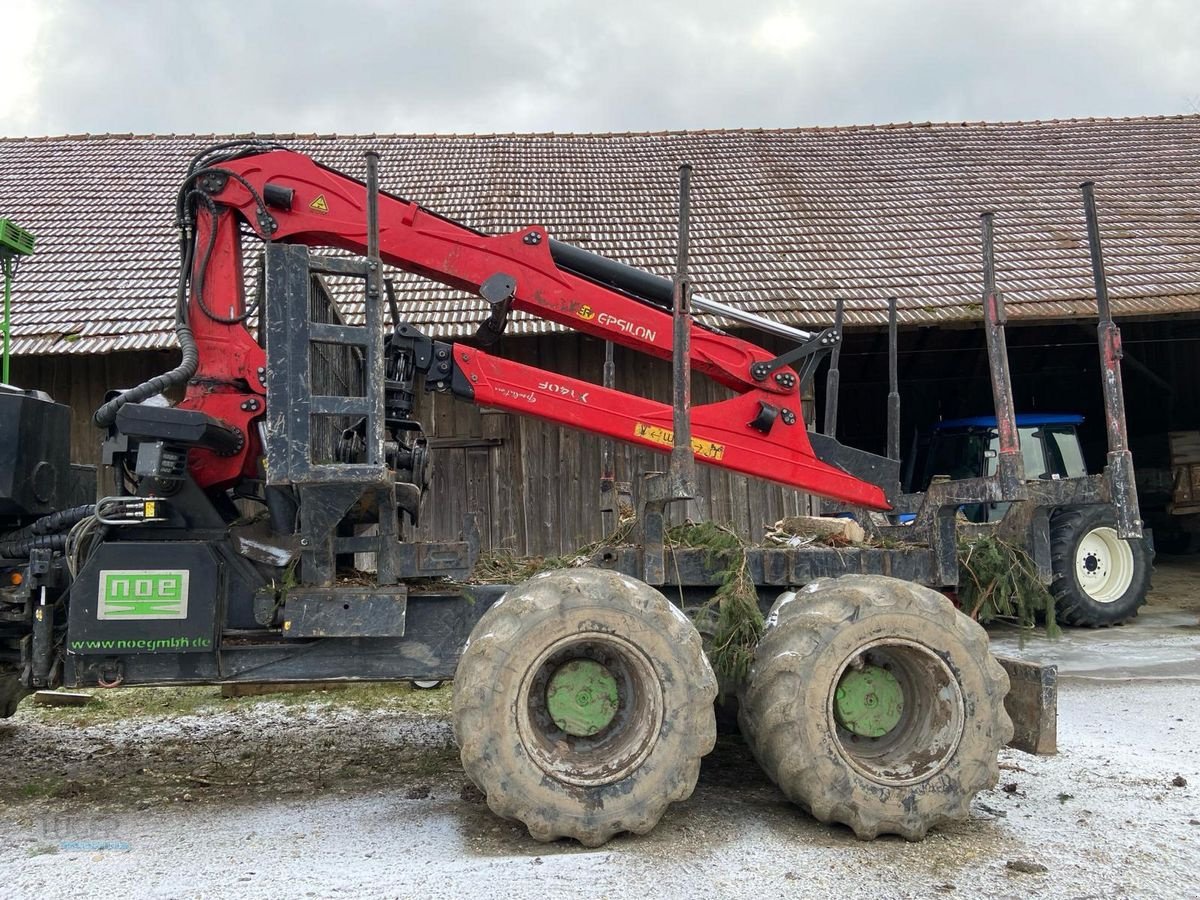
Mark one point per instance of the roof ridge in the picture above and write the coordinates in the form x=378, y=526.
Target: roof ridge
x=684, y=132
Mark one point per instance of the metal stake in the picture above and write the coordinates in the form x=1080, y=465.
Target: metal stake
x=683, y=461
x=833, y=381
x=677, y=483
x=893, y=405
x=1119, y=470
x=608, y=468
x=1010, y=465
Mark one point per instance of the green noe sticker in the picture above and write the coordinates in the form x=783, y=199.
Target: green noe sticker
x=143, y=594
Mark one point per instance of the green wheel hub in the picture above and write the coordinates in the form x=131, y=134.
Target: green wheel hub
x=582, y=697
x=868, y=701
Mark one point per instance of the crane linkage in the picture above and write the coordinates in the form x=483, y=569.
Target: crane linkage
x=284, y=196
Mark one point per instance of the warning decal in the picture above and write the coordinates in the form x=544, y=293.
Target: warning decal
x=666, y=437
x=320, y=205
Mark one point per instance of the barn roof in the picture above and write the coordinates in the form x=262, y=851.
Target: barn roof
x=785, y=221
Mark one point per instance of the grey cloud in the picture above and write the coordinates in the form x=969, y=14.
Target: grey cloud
x=370, y=65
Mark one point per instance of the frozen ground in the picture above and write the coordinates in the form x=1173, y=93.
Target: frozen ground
x=360, y=794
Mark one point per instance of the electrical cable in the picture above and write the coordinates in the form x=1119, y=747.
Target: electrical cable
x=82, y=541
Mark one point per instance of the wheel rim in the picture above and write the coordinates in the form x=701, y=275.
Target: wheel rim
x=868, y=701
x=590, y=709
x=1104, y=565
x=912, y=727
x=582, y=697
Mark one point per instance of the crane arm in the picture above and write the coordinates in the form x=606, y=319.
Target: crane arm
x=287, y=196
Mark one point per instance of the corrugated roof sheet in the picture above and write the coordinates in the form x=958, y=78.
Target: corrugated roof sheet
x=785, y=221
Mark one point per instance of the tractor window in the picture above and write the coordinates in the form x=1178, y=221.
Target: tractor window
x=1032, y=454
x=1062, y=448
x=958, y=455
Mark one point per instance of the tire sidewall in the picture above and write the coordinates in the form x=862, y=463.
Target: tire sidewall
x=786, y=717
x=11, y=694
x=495, y=683
x=976, y=744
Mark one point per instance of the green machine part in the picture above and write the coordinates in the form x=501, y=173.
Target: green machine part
x=15, y=242
x=869, y=702
x=582, y=697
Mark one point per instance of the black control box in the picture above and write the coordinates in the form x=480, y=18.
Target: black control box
x=35, y=456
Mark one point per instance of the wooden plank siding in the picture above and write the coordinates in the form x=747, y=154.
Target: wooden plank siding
x=542, y=481
x=81, y=382
x=535, y=485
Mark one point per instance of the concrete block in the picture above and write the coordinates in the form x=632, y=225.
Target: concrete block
x=1032, y=704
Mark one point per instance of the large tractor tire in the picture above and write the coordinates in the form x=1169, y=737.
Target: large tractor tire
x=873, y=702
x=11, y=694
x=583, y=703
x=1099, y=578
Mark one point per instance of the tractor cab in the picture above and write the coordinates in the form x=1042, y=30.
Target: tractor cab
x=969, y=448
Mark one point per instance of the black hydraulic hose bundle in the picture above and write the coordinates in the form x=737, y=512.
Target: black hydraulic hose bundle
x=201, y=163
x=190, y=356
x=45, y=533
x=62, y=520
x=22, y=548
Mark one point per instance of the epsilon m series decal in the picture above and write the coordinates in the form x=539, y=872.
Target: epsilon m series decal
x=142, y=594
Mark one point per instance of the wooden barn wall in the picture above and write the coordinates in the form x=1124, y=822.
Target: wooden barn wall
x=1055, y=368
x=535, y=485
x=81, y=381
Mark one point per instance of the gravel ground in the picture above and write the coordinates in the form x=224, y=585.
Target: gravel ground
x=359, y=793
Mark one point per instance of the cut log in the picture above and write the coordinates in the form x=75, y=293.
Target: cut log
x=818, y=527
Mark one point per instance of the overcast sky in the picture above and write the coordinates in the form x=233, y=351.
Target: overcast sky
x=589, y=65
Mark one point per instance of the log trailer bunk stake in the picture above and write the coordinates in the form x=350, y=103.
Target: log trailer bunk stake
x=583, y=699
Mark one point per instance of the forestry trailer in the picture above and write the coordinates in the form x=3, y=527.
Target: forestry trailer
x=583, y=697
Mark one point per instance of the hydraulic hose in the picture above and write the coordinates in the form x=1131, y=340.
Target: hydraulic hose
x=62, y=520
x=22, y=548
x=107, y=414
x=190, y=355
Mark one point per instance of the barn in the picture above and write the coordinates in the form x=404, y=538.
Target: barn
x=786, y=223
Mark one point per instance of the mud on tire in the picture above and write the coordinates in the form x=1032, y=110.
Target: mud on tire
x=941, y=746
x=551, y=773
x=1099, y=579
x=11, y=693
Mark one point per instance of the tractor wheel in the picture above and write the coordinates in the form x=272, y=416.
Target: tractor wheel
x=873, y=702
x=1099, y=579
x=726, y=706
x=11, y=694
x=583, y=703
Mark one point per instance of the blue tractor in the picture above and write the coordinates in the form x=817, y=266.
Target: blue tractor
x=1099, y=578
